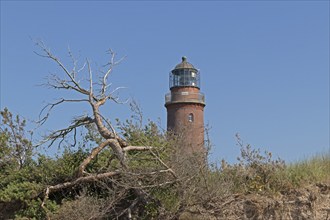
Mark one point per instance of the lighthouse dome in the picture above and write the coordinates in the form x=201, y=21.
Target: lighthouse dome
x=184, y=64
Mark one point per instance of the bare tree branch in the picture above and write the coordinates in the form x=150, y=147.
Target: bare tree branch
x=62, y=133
x=90, y=95
x=91, y=178
x=57, y=60
x=92, y=155
x=50, y=106
x=164, y=164
x=138, y=148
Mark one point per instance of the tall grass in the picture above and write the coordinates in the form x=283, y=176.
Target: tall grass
x=258, y=172
x=312, y=170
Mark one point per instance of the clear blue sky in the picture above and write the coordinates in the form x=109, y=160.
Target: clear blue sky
x=264, y=64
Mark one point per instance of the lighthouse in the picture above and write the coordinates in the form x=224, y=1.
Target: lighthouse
x=185, y=106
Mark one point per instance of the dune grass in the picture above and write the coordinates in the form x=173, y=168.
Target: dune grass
x=312, y=170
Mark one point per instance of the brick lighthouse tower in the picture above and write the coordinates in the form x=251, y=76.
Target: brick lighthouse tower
x=185, y=106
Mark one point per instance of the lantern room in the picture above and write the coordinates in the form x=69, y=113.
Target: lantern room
x=184, y=75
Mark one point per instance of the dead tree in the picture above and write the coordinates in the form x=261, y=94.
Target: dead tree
x=95, y=94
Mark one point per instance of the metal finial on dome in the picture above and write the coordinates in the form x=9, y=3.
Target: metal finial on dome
x=184, y=64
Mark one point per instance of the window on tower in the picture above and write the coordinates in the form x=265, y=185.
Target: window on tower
x=191, y=117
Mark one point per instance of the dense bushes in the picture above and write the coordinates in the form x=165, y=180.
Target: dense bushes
x=166, y=195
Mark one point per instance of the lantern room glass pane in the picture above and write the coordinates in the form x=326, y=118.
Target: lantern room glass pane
x=184, y=77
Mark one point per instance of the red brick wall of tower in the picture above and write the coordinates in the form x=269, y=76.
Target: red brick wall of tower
x=185, y=115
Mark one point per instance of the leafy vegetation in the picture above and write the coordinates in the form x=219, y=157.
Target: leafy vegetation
x=22, y=183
